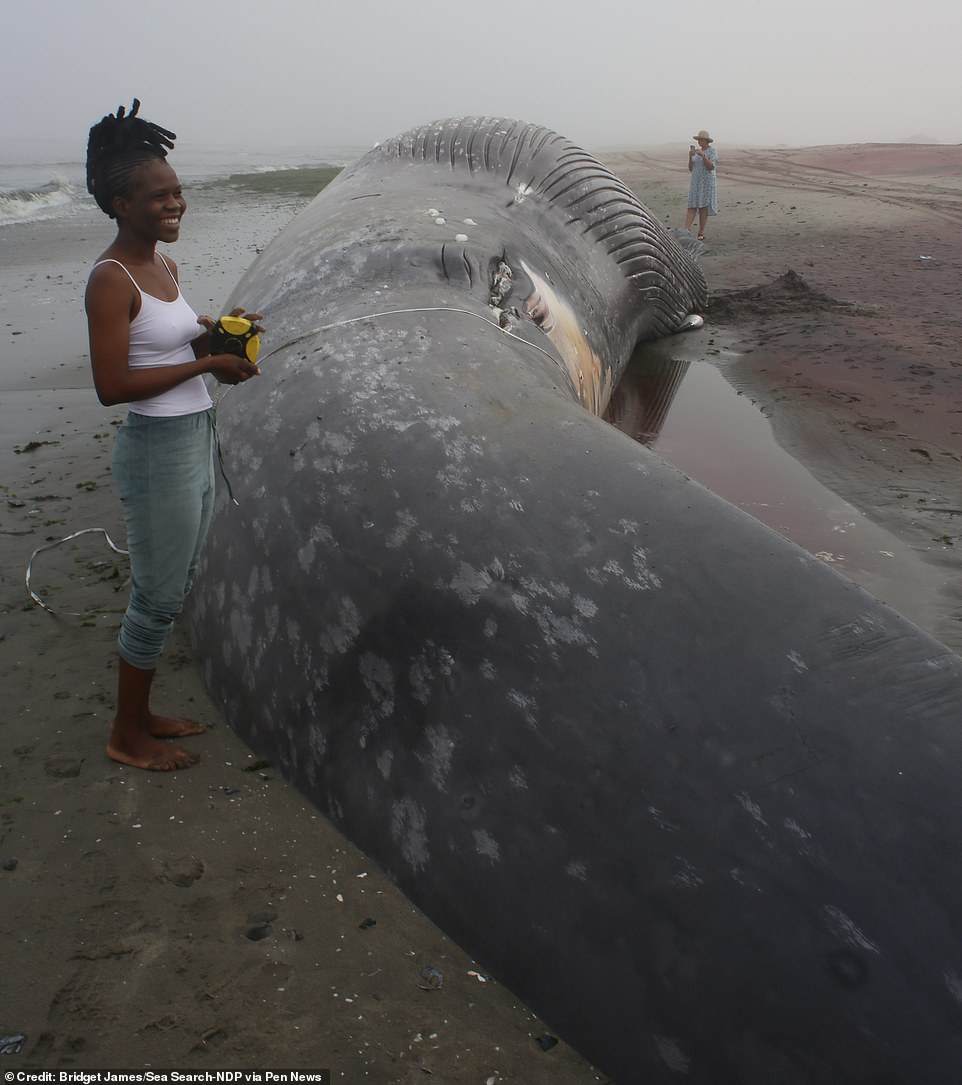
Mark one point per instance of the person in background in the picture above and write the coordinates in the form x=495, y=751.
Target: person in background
x=702, y=192
x=149, y=349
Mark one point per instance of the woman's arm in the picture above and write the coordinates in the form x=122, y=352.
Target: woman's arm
x=109, y=299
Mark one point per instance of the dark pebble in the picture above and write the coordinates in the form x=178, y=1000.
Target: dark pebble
x=546, y=1042
x=9, y=864
x=258, y=934
x=366, y=924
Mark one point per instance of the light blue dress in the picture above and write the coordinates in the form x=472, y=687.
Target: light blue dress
x=703, y=190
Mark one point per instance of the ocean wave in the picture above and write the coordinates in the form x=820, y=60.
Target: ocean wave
x=61, y=198
x=41, y=202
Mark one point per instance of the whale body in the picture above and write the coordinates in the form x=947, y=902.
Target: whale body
x=687, y=791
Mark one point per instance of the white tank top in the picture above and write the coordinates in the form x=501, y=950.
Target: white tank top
x=161, y=334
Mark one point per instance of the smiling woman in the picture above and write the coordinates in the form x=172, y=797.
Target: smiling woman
x=148, y=348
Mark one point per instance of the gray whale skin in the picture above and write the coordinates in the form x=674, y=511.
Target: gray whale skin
x=689, y=793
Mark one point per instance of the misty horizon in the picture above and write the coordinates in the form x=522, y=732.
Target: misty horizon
x=298, y=74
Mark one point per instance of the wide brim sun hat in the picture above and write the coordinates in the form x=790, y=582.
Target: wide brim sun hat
x=704, y=135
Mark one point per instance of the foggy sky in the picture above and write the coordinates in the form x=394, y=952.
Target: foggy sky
x=315, y=73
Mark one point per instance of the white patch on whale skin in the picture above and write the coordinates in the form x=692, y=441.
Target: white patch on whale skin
x=842, y=927
x=576, y=869
x=307, y=553
x=672, y=1055
x=408, y=829
x=517, y=779
x=585, y=607
x=305, y=556
x=663, y=821
x=687, y=877
x=560, y=629
x=558, y=624
x=441, y=747
x=751, y=807
x=793, y=827
x=432, y=663
x=526, y=705
x=385, y=762
x=486, y=845
x=520, y=601
x=332, y=451
x=954, y=985
x=640, y=579
x=399, y=535
x=339, y=638
x=799, y=664
x=469, y=584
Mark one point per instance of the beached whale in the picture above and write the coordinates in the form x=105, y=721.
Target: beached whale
x=687, y=791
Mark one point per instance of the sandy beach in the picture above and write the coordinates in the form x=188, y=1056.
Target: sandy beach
x=212, y=919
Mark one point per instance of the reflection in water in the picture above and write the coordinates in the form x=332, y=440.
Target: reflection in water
x=688, y=414
x=640, y=403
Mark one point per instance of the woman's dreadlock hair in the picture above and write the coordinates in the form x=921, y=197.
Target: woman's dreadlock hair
x=116, y=146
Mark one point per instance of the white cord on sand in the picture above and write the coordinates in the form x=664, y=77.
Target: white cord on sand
x=49, y=546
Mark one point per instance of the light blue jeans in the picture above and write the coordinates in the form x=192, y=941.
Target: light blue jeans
x=164, y=472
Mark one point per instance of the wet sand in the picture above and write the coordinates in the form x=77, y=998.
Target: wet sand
x=129, y=911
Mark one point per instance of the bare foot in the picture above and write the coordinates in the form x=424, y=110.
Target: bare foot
x=174, y=727
x=153, y=756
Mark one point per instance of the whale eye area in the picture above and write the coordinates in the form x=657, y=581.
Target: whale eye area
x=536, y=309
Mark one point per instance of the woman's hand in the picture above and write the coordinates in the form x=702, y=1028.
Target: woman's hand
x=227, y=368
x=230, y=369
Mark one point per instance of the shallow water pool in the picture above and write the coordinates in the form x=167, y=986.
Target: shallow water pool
x=687, y=412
